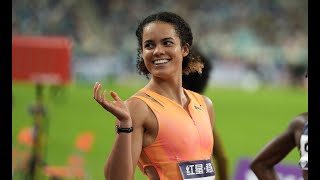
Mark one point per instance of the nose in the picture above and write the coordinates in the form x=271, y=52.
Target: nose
x=159, y=50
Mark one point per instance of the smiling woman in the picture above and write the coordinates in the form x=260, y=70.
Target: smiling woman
x=163, y=128
x=179, y=33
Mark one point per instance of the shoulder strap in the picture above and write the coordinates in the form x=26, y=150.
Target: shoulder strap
x=153, y=104
x=197, y=97
x=156, y=97
x=144, y=99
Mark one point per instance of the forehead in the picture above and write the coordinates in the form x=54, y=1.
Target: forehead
x=158, y=29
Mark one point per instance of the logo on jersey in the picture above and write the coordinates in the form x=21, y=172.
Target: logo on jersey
x=197, y=107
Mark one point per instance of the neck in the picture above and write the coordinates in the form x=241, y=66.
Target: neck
x=170, y=89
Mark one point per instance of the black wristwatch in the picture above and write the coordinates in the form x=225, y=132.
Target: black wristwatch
x=123, y=130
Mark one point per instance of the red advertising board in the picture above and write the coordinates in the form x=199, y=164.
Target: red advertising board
x=41, y=59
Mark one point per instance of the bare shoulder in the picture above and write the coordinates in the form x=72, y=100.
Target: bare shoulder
x=298, y=122
x=210, y=109
x=136, y=103
x=208, y=101
x=138, y=108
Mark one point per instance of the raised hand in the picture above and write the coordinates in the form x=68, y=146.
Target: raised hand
x=117, y=107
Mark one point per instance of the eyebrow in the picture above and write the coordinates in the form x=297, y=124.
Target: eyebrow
x=164, y=39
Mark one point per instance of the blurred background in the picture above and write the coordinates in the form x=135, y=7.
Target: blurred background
x=259, y=51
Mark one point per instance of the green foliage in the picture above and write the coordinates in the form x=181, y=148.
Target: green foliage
x=245, y=120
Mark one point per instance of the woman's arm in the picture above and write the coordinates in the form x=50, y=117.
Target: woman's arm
x=220, y=158
x=273, y=152
x=126, y=149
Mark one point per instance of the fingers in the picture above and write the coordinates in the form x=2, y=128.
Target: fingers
x=115, y=96
x=94, y=89
x=103, y=96
x=96, y=92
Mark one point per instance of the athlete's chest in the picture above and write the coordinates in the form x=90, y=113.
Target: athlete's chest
x=185, y=132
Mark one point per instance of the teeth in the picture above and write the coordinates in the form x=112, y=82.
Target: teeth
x=161, y=61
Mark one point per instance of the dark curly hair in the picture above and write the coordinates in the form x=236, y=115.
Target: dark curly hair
x=191, y=63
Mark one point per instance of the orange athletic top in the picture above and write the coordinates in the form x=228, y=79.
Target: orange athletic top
x=180, y=137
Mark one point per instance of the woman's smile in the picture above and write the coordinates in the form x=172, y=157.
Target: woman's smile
x=160, y=61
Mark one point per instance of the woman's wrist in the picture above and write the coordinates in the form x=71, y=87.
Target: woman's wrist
x=125, y=124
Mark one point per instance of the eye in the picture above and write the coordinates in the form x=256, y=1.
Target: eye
x=167, y=43
x=148, y=45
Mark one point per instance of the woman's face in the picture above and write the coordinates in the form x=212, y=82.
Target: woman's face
x=161, y=50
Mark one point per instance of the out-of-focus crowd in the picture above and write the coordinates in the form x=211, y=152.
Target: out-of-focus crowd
x=266, y=37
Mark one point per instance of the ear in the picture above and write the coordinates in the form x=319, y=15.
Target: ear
x=185, y=49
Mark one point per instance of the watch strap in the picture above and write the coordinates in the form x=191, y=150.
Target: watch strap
x=123, y=130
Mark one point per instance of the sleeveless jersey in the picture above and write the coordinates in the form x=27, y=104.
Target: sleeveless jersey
x=304, y=148
x=180, y=138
